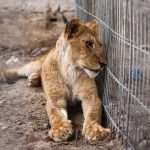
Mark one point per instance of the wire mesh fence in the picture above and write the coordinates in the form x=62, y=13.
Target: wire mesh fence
x=124, y=29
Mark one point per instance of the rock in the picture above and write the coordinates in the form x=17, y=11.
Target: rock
x=12, y=60
x=2, y=102
x=45, y=126
x=3, y=126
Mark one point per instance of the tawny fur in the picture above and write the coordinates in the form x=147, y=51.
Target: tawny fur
x=69, y=70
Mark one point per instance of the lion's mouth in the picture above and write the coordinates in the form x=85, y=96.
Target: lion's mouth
x=93, y=70
x=92, y=73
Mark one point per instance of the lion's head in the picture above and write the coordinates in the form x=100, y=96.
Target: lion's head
x=82, y=47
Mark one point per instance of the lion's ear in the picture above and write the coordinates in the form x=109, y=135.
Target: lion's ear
x=72, y=28
x=92, y=25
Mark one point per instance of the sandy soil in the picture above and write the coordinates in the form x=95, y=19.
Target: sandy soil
x=23, y=119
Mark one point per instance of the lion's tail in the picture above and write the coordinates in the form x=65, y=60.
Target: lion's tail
x=12, y=75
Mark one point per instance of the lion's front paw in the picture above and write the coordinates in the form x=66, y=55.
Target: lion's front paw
x=62, y=131
x=34, y=79
x=93, y=131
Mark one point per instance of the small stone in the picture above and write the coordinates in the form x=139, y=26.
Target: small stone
x=45, y=126
x=12, y=60
x=3, y=126
x=1, y=102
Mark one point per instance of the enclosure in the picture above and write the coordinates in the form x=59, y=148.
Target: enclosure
x=28, y=28
x=124, y=28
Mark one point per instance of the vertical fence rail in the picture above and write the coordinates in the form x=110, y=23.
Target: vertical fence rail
x=124, y=29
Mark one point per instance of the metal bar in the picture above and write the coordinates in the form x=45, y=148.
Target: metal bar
x=124, y=30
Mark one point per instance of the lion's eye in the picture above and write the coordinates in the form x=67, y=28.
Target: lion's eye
x=89, y=44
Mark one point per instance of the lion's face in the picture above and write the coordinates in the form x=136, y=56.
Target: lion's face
x=85, y=51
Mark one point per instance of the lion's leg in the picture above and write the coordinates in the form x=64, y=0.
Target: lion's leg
x=56, y=91
x=61, y=127
x=32, y=71
x=34, y=79
x=86, y=91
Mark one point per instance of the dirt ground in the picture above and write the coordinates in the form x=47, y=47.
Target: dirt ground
x=23, y=119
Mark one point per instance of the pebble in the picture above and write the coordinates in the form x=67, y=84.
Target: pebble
x=3, y=126
x=1, y=102
x=12, y=60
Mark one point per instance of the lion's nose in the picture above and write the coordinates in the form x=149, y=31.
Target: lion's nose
x=102, y=65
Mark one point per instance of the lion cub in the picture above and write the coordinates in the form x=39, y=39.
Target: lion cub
x=69, y=70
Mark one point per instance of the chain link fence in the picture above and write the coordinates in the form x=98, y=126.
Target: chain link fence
x=124, y=29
